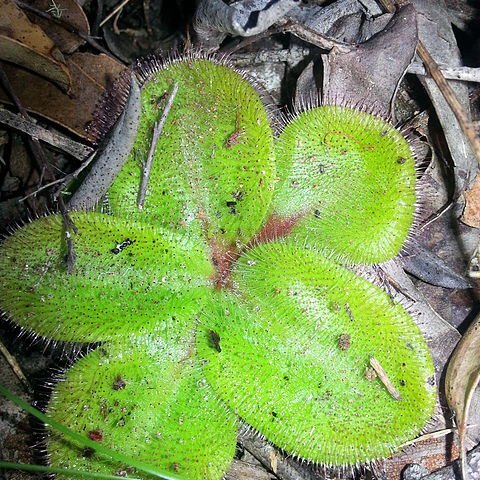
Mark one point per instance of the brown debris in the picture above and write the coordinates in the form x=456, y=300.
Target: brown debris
x=119, y=383
x=95, y=435
x=370, y=374
x=344, y=341
x=471, y=214
x=382, y=375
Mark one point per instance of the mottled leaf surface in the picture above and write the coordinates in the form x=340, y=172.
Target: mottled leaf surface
x=147, y=401
x=348, y=178
x=155, y=281
x=295, y=362
x=213, y=168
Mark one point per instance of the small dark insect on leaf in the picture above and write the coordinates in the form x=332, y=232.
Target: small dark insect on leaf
x=401, y=160
x=119, y=384
x=121, y=246
x=175, y=466
x=95, y=435
x=87, y=452
x=317, y=213
x=232, y=208
x=158, y=100
x=214, y=340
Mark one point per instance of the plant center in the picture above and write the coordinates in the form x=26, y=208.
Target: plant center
x=224, y=259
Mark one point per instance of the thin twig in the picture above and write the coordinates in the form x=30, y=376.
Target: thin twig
x=429, y=436
x=309, y=35
x=146, y=13
x=68, y=227
x=388, y=5
x=16, y=368
x=52, y=137
x=113, y=13
x=98, y=17
x=67, y=26
x=63, y=181
x=70, y=258
x=450, y=97
x=37, y=149
x=157, y=130
x=41, y=159
x=465, y=74
x=382, y=375
x=436, y=216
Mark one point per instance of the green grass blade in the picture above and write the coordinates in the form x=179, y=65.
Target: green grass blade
x=118, y=457
x=64, y=471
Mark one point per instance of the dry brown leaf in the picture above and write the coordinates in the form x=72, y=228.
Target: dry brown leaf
x=92, y=76
x=471, y=214
x=462, y=377
x=101, y=69
x=68, y=11
x=26, y=44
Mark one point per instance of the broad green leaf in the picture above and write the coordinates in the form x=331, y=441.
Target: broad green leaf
x=81, y=440
x=213, y=168
x=348, y=179
x=156, y=280
x=294, y=361
x=148, y=401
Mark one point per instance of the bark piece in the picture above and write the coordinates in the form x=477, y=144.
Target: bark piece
x=471, y=214
x=461, y=380
x=417, y=472
x=52, y=137
x=286, y=466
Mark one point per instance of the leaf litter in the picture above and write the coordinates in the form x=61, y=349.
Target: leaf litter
x=94, y=73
